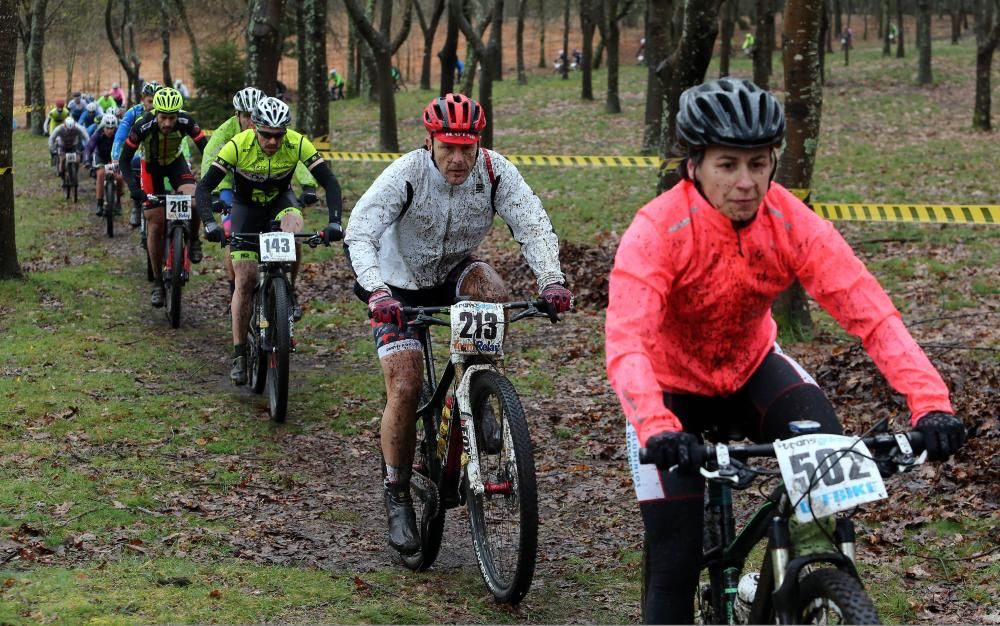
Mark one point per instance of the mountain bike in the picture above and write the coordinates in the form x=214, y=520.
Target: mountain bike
x=71, y=174
x=474, y=448
x=112, y=202
x=808, y=572
x=176, y=264
x=271, y=334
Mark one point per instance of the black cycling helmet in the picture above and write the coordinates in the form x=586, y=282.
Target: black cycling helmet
x=729, y=112
x=150, y=88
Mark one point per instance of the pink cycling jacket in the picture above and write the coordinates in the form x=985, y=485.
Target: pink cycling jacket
x=689, y=306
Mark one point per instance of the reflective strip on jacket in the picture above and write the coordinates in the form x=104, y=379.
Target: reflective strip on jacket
x=689, y=304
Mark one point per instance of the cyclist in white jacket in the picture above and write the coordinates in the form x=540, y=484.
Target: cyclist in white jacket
x=411, y=241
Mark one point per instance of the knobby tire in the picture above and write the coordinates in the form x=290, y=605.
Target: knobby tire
x=504, y=525
x=426, y=498
x=175, y=281
x=822, y=587
x=256, y=358
x=110, y=204
x=277, y=359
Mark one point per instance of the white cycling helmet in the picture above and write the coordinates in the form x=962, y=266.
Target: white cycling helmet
x=70, y=123
x=272, y=113
x=110, y=120
x=246, y=99
x=113, y=110
x=91, y=106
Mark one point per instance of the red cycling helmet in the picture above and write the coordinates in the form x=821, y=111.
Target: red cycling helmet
x=60, y=103
x=454, y=118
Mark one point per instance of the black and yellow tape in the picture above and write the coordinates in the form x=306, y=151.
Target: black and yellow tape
x=28, y=109
x=913, y=213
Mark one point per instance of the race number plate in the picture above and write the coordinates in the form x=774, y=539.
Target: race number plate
x=71, y=157
x=835, y=471
x=277, y=247
x=178, y=207
x=477, y=328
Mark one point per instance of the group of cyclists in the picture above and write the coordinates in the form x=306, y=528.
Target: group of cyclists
x=690, y=340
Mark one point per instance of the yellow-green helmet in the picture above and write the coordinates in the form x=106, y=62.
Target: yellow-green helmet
x=167, y=100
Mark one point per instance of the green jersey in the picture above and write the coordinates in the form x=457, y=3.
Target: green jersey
x=260, y=178
x=221, y=135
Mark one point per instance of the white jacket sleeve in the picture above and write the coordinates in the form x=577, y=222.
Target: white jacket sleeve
x=522, y=210
x=374, y=212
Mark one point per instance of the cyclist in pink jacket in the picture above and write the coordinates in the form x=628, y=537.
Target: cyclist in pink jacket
x=690, y=338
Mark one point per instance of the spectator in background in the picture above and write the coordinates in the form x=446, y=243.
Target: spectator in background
x=749, y=42
x=336, y=85
x=459, y=68
x=182, y=88
x=117, y=93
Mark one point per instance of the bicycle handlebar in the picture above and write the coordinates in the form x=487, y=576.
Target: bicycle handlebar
x=529, y=308
x=704, y=454
x=310, y=239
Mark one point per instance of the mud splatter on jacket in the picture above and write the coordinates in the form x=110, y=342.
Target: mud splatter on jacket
x=414, y=244
x=690, y=303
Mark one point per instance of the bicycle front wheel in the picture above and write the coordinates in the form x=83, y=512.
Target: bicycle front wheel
x=74, y=180
x=175, y=280
x=110, y=204
x=280, y=333
x=504, y=518
x=256, y=359
x=832, y=596
x=424, y=483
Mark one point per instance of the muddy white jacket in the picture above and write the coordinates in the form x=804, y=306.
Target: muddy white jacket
x=412, y=227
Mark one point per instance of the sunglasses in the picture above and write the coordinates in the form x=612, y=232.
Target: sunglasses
x=267, y=135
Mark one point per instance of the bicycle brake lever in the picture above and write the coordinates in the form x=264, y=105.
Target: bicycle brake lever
x=726, y=471
x=905, y=460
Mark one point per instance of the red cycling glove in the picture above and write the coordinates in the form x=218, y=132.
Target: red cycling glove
x=385, y=309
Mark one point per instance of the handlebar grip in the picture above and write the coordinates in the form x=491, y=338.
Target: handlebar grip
x=548, y=309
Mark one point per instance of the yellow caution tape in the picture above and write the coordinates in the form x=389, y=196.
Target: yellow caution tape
x=913, y=213
x=26, y=109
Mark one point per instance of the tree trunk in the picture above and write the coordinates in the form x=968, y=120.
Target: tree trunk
x=824, y=41
x=313, y=115
x=764, y=49
x=729, y=12
x=612, y=37
x=449, y=56
x=900, y=50
x=803, y=112
x=165, y=12
x=956, y=21
x=542, y=61
x=429, y=29
x=69, y=50
x=987, y=37
x=263, y=44
x=885, y=30
x=124, y=45
x=24, y=32
x=658, y=14
x=924, y=74
x=496, y=38
x=565, y=47
x=490, y=57
x=36, y=65
x=382, y=48
x=522, y=74
x=838, y=25
x=195, y=55
x=599, y=53
x=474, y=14
x=587, y=28
x=9, y=267
x=351, y=89
x=684, y=67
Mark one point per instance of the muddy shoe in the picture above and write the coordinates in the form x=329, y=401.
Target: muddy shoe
x=158, y=295
x=99, y=210
x=239, y=372
x=402, y=520
x=134, y=218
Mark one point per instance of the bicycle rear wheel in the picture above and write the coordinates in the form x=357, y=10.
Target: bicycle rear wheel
x=504, y=518
x=175, y=281
x=832, y=596
x=256, y=358
x=424, y=484
x=279, y=331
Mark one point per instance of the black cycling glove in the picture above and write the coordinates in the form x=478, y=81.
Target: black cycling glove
x=668, y=449
x=943, y=434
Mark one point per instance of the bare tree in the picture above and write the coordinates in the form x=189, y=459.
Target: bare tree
x=481, y=17
x=803, y=111
x=729, y=11
x=611, y=13
x=659, y=39
x=588, y=24
x=9, y=267
x=489, y=53
x=36, y=65
x=428, y=28
x=987, y=37
x=683, y=67
x=313, y=98
x=195, y=54
x=263, y=44
x=564, y=71
x=522, y=9
x=885, y=29
x=900, y=49
x=542, y=61
x=924, y=75
x=382, y=48
x=165, y=39
x=124, y=44
x=449, y=56
x=764, y=48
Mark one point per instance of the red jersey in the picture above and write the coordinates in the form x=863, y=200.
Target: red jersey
x=689, y=304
